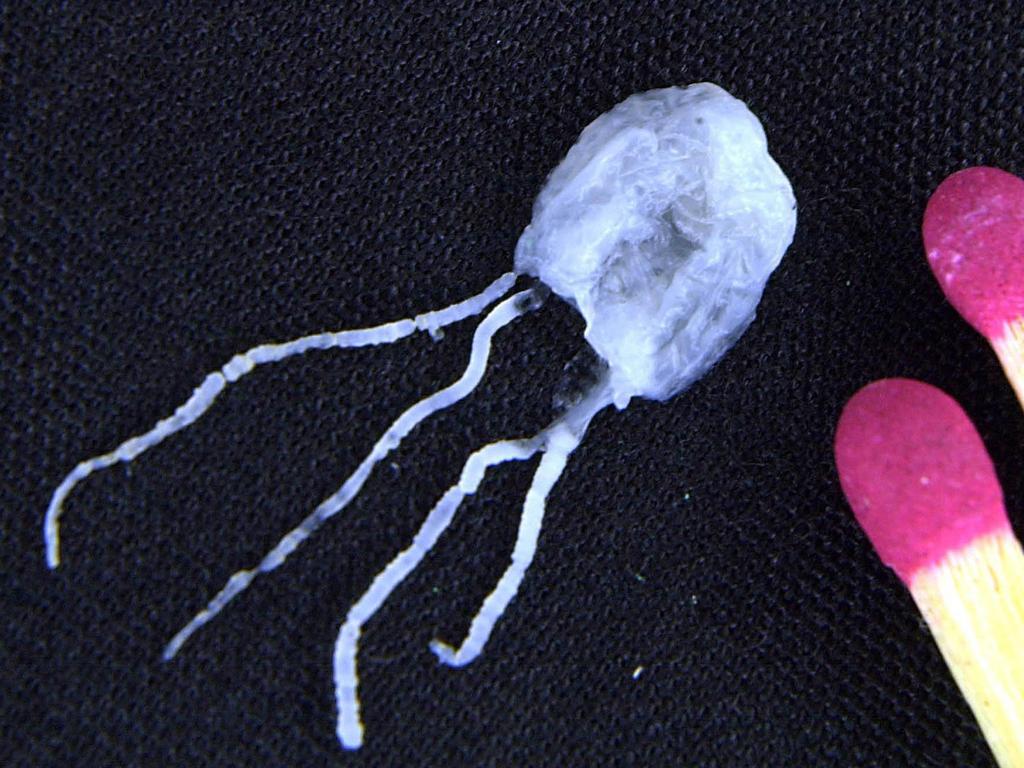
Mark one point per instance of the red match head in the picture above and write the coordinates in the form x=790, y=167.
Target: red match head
x=973, y=234
x=916, y=473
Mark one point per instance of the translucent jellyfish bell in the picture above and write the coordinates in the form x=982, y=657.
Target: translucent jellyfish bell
x=661, y=226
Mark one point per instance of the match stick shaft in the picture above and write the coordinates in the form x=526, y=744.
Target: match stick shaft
x=973, y=601
x=1009, y=349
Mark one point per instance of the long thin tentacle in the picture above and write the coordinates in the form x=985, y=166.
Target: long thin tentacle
x=501, y=315
x=214, y=383
x=350, y=728
x=560, y=440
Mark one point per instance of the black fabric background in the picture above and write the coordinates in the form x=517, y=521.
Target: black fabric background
x=180, y=183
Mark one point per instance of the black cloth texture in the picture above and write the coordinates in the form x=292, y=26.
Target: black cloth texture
x=184, y=181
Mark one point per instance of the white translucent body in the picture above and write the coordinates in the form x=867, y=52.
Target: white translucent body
x=661, y=226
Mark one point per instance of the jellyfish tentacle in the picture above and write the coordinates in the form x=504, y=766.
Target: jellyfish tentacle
x=560, y=440
x=349, y=727
x=503, y=314
x=239, y=365
x=548, y=472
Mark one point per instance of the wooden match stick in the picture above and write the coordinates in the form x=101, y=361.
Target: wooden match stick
x=973, y=233
x=924, y=490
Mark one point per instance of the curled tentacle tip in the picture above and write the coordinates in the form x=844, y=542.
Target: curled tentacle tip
x=350, y=740
x=172, y=647
x=52, y=550
x=445, y=653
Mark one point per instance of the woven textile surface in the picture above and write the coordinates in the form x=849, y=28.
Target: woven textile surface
x=180, y=183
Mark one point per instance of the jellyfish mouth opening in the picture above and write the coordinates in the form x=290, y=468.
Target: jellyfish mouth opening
x=642, y=271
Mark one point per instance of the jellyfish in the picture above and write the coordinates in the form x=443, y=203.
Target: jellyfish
x=661, y=227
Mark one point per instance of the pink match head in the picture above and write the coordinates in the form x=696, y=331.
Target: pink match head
x=916, y=473
x=973, y=234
